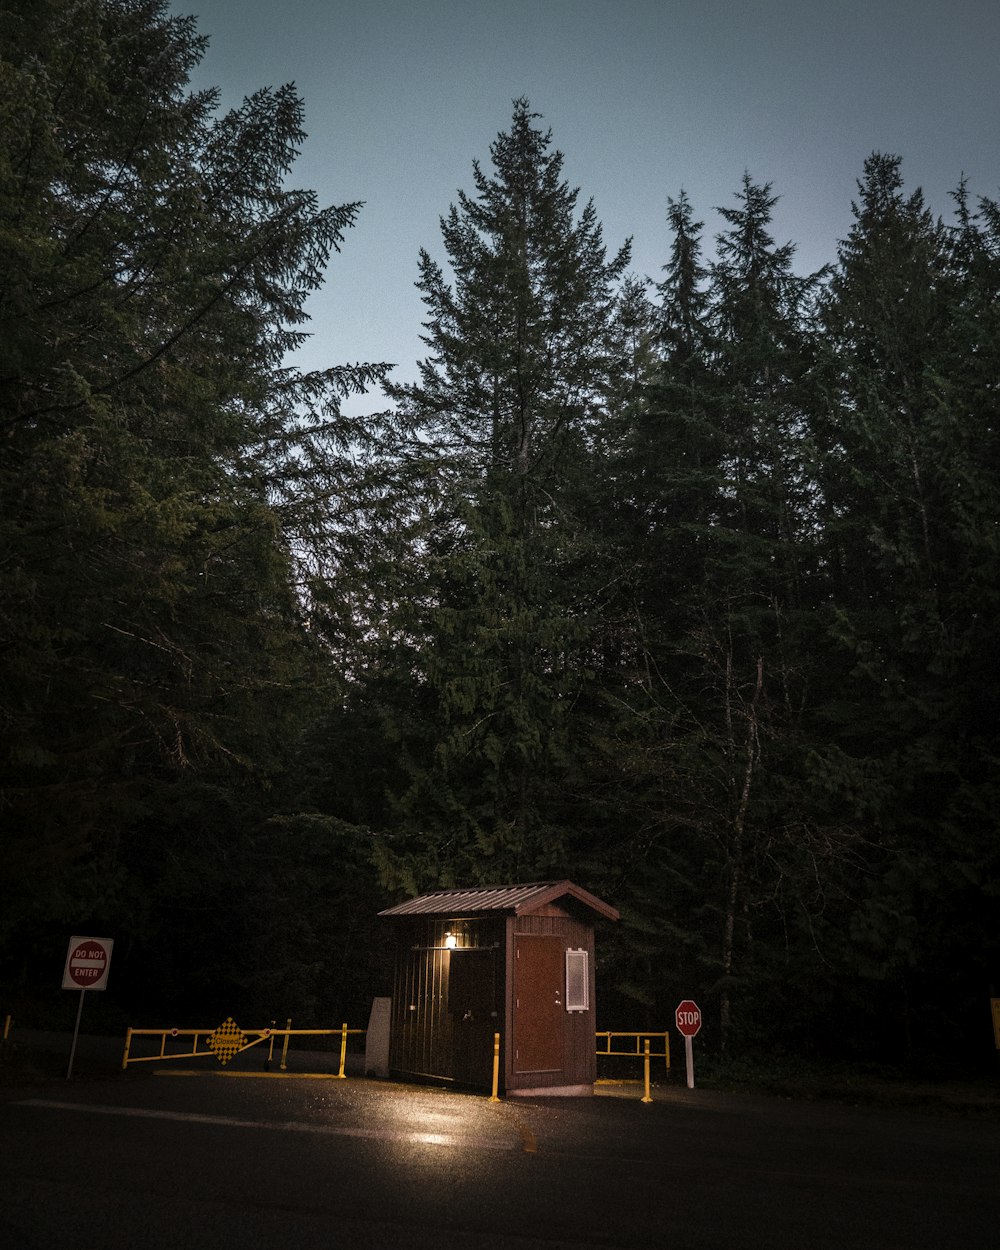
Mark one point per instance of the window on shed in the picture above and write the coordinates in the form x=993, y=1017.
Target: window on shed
x=577, y=980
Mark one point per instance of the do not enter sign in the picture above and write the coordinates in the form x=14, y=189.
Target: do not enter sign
x=688, y=1018
x=87, y=963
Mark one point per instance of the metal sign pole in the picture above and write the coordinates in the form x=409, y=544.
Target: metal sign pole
x=689, y=1058
x=76, y=1033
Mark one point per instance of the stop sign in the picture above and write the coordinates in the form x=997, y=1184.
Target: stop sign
x=688, y=1018
x=87, y=963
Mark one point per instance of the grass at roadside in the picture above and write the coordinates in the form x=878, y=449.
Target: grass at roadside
x=854, y=1085
x=39, y=1062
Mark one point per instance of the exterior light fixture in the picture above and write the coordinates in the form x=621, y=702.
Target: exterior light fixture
x=450, y=941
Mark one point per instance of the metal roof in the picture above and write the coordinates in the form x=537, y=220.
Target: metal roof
x=518, y=899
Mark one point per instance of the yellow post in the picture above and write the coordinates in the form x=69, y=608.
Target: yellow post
x=343, y=1049
x=128, y=1045
x=8, y=1021
x=494, y=1097
x=645, y=1063
x=284, y=1049
x=270, y=1047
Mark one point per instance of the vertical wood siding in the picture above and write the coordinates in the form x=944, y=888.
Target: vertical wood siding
x=423, y=1027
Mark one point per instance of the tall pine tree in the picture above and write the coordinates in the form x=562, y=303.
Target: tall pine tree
x=721, y=509
x=909, y=473
x=505, y=428
x=161, y=465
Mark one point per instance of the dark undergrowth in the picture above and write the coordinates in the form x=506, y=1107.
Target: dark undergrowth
x=857, y=1084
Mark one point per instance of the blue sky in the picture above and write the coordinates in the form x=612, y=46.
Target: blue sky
x=644, y=98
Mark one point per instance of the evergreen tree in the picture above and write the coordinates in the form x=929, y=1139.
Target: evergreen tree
x=505, y=426
x=909, y=486
x=722, y=519
x=161, y=465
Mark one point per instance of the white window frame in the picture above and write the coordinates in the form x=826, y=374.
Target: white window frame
x=577, y=979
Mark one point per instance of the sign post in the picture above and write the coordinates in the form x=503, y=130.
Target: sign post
x=87, y=963
x=688, y=1020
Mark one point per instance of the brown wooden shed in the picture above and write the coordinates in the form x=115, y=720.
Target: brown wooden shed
x=517, y=960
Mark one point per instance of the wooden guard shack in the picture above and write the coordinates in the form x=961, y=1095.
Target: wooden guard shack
x=516, y=960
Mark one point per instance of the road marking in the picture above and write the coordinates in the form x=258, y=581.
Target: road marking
x=288, y=1126
x=249, y=1076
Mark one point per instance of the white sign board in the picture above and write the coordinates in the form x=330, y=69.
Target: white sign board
x=87, y=962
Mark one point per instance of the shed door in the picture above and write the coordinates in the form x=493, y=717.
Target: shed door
x=539, y=1017
x=472, y=1004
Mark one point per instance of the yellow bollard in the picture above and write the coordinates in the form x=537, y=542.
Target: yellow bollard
x=647, y=1097
x=128, y=1045
x=343, y=1050
x=284, y=1049
x=6, y=1026
x=270, y=1048
x=494, y=1097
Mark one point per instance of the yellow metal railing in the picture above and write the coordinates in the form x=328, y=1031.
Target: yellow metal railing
x=637, y=1045
x=250, y=1038
x=204, y=1042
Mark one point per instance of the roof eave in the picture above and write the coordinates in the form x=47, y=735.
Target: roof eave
x=562, y=889
x=540, y=896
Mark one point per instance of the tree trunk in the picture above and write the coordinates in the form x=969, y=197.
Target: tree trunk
x=737, y=842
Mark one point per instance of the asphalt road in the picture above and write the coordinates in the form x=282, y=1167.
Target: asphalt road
x=189, y=1162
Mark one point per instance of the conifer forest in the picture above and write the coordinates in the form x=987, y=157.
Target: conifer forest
x=687, y=590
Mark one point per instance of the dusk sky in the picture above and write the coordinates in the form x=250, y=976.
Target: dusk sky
x=644, y=98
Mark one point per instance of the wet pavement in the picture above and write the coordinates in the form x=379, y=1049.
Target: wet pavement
x=177, y=1160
